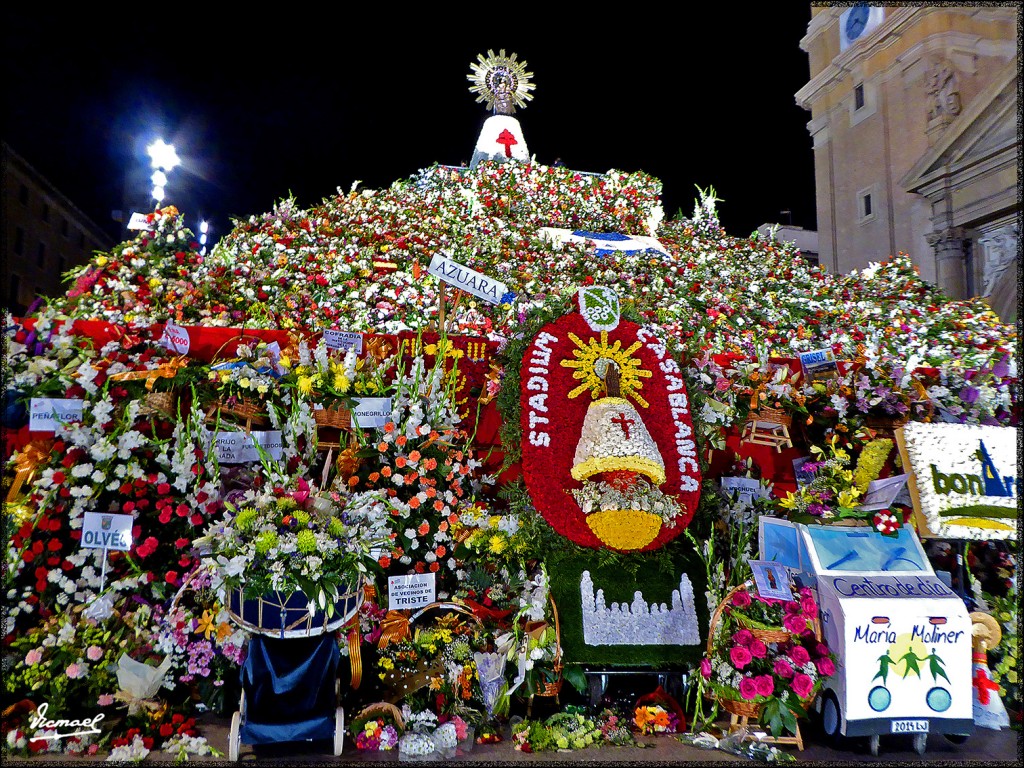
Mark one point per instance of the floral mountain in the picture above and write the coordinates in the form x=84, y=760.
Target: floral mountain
x=727, y=309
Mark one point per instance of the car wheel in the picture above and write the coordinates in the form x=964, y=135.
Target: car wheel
x=831, y=718
x=920, y=742
x=873, y=742
x=956, y=738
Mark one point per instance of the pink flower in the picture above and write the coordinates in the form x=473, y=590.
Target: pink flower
x=74, y=671
x=809, y=606
x=33, y=657
x=795, y=623
x=105, y=700
x=739, y=656
x=792, y=607
x=820, y=649
x=743, y=637
x=758, y=649
x=748, y=688
x=705, y=667
x=741, y=599
x=765, y=685
x=825, y=666
x=802, y=685
x=799, y=655
x=783, y=669
x=94, y=653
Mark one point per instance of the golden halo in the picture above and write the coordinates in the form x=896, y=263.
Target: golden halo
x=588, y=356
x=501, y=82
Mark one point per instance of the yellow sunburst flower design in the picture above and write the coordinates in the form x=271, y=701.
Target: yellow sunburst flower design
x=586, y=360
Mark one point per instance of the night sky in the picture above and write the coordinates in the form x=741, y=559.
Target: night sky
x=304, y=101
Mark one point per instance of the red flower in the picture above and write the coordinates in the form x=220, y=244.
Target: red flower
x=171, y=577
x=765, y=685
x=748, y=688
x=739, y=656
x=802, y=685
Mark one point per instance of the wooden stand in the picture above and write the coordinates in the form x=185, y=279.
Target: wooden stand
x=770, y=427
x=742, y=721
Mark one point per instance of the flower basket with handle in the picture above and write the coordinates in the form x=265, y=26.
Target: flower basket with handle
x=779, y=668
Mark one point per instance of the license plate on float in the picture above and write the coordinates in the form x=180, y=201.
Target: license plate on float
x=909, y=726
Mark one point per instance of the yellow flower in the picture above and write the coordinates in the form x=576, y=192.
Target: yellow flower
x=262, y=389
x=848, y=497
x=154, y=282
x=341, y=382
x=497, y=545
x=244, y=382
x=101, y=261
x=285, y=361
x=206, y=626
x=305, y=385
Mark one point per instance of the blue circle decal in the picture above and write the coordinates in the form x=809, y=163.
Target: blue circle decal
x=879, y=698
x=939, y=699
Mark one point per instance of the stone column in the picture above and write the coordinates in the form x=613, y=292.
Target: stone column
x=950, y=265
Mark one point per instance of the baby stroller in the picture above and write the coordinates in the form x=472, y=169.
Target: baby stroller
x=290, y=686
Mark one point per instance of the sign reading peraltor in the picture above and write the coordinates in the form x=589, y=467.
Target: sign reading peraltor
x=414, y=591
x=466, y=279
x=964, y=479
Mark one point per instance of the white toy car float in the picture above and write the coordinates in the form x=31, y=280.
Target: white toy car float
x=901, y=636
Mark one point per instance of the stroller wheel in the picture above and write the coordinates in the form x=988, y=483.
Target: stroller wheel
x=339, y=730
x=234, y=737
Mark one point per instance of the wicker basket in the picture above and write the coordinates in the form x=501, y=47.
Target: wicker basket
x=381, y=708
x=764, y=634
x=159, y=403
x=333, y=418
x=771, y=416
x=246, y=410
x=741, y=708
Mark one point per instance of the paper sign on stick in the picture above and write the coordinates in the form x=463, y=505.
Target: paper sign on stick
x=107, y=531
x=819, y=364
x=176, y=339
x=343, y=340
x=46, y=412
x=882, y=494
x=466, y=279
x=372, y=411
x=414, y=591
x=138, y=221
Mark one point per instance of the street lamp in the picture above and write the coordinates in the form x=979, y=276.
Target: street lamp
x=204, y=229
x=163, y=158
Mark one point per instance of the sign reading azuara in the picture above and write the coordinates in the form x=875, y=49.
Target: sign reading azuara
x=964, y=478
x=467, y=279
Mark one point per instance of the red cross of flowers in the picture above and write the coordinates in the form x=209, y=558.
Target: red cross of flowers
x=507, y=139
x=623, y=422
x=984, y=684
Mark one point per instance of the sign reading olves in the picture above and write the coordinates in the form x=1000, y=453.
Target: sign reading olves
x=107, y=531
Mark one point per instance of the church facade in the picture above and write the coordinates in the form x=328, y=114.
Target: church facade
x=916, y=149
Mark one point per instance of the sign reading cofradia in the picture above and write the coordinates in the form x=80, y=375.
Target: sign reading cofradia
x=609, y=454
